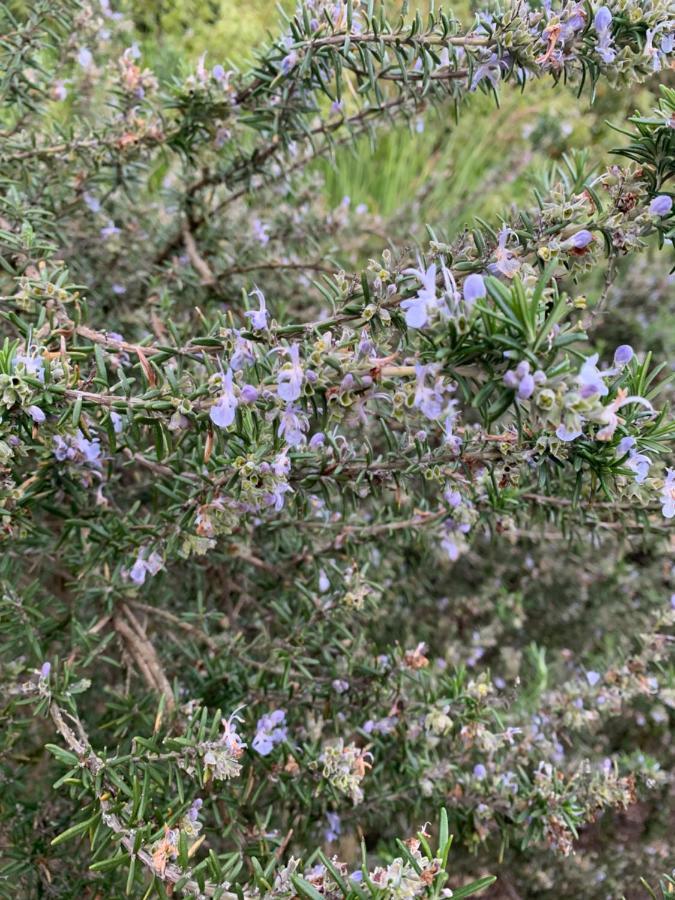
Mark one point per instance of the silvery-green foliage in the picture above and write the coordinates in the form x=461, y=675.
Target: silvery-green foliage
x=303, y=547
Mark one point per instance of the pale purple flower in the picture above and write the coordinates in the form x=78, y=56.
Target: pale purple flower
x=277, y=496
x=479, y=771
x=248, y=394
x=473, y=289
x=580, y=240
x=661, y=205
x=640, y=465
x=522, y=380
x=223, y=411
x=32, y=363
x=593, y=678
x=625, y=444
x=290, y=377
x=193, y=812
x=623, y=355
x=591, y=379
x=218, y=72
x=567, y=434
x=419, y=309
x=334, y=829
x=384, y=726
x=668, y=495
x=429, y=400
x=270, y=731
x=145, y=565
x=339, y=685
x=293, y=425
x=317, y=440
x=92, y=203
x=603, y=27
x=324, y=583
x=491, y=69
x=288, y=62
x=84, y=58
x=258, y=316
x=259, y=230
x=45, y=669
x=243, y=352
x=36, y=414
x=109, y=230
x=603, y=19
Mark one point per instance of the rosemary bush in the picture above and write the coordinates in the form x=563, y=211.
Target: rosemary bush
x=311, y=536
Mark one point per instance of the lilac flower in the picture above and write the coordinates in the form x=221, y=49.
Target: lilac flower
x=334, y=829
x=59, y=91
x=78, y=449
x=223, y=410
x=258, y=317
x=603, y=19
x=661, y=205
x=92, y=203
x=603, y=27
x=259, y=230
x=117, y=422
x=419, y=309
x=522, y=380
x=109, y=230
x=593, y=678
x=193, y=812
x=291, y=376
x=36, y=414
x=218, y=72
x=625, y=444
x=658, y=55
x=580, y=240
x=84, y=58
x=45, y=669
x=317, y=440
x=288, y=62
x=384, y=726
x=324, y=583
x=623, y=355
x=591, y=379
x=640, y=465
x=428, y=399
x=491, y=69
x=479, y=771
x=668, y=495
x=473, y=289
x=567, y=434
x=248, y=394
x=143, y=566
x=276, y=497
x=270, y=731
x=32, y=363
x=281, y=464
x=243, y=352
x=292, y=425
